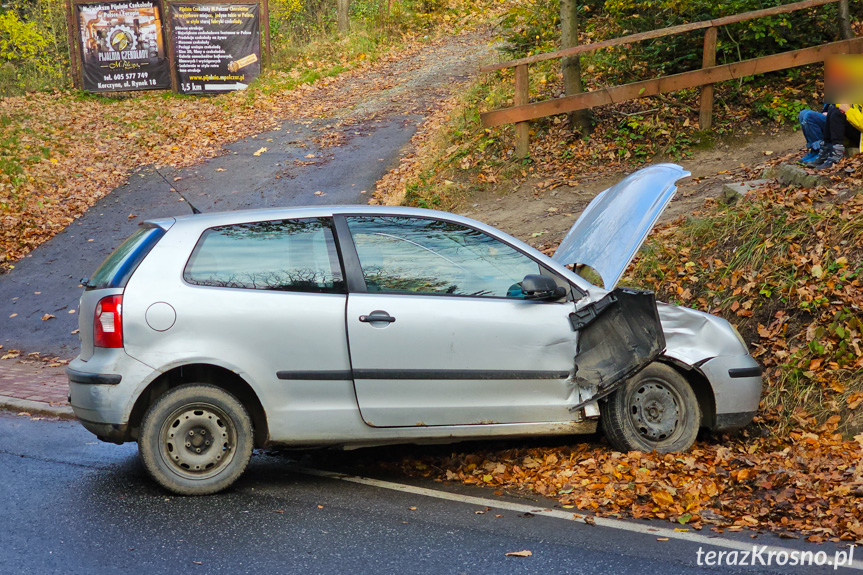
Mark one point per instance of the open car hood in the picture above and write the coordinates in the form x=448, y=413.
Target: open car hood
x=614, y=225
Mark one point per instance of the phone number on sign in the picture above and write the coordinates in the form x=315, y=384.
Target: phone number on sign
x=127, y=76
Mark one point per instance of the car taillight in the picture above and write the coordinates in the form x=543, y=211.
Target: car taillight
x=108, y=322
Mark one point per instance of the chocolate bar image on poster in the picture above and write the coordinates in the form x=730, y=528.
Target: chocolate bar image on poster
x=216, y=47
x=122, y=47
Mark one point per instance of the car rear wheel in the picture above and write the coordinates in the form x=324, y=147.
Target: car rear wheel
x=655, y=410
x=196, y=440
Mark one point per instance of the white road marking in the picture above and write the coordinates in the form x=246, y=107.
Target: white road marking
x=566, y=515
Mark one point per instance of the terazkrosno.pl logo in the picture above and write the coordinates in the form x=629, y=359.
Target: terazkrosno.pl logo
x=762, y=555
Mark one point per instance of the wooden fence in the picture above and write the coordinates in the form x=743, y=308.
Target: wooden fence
x=709, y=74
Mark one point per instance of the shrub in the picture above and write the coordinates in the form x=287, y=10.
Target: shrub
x=33, y=47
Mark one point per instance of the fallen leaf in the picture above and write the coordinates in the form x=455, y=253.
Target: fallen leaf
x=261, y=151
x=817, y=271
x=662, y=498
x=48, y=316
x=524, y=553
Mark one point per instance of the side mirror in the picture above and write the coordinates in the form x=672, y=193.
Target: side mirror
x=541, y=288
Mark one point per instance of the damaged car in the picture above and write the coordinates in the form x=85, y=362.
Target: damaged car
x=205, y=336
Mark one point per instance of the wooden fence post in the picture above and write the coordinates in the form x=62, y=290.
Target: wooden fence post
x=168, y=35
x=845, y=28
x=73, y=38
x=265, y=18
x=522, y=135
x=708, y=61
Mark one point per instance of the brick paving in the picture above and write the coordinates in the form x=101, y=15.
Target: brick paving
x=33, y=382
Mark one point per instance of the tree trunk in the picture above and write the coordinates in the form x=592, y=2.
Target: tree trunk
x=845, y=20
x=571, y=65
x=344, y=16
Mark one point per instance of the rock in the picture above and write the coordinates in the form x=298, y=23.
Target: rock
x=846, y=195
x=732, y=192
x=795, y=176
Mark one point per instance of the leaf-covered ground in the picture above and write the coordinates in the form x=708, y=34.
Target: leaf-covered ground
x=805, y=484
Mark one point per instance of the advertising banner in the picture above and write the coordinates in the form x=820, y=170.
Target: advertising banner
x=122, y=47
x=216, y=47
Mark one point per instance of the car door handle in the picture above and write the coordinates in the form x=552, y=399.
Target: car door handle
x=376, y=316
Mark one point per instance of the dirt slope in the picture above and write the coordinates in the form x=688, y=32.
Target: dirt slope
x=541, y=215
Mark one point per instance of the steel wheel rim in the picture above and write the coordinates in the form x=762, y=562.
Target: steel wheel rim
x=197, y=441
x=655, y=410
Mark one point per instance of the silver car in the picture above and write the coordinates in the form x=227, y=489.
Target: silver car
x=205, y=336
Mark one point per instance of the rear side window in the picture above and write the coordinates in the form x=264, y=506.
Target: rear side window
x=286, y=255
x=116, y=270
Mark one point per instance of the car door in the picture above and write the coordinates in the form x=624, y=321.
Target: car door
x=440, y=334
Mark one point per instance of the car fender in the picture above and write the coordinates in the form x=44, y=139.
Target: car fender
x=711, y=346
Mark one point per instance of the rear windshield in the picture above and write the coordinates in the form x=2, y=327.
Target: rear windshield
x=116, y=270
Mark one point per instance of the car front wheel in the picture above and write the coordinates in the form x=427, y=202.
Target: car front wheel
x=654, y=410
x=196, y=440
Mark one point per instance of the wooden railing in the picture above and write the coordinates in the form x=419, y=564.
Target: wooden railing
x=709, y=74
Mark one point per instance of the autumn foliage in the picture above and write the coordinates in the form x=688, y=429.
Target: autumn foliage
x=805, y=483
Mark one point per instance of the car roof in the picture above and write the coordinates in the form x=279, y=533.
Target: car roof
x=210, y=219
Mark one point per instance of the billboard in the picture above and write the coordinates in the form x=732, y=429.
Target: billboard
x=216, y=47
x=122, y=46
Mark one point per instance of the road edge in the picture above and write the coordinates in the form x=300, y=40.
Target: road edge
x=13, y=404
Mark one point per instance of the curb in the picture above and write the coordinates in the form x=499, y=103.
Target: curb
x=13, y=404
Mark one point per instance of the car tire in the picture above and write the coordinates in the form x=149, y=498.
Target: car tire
x=654, y=410
x=196, y=440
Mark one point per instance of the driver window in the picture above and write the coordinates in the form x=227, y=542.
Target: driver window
x=426, y=256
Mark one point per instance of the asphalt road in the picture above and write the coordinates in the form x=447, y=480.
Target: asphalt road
x=48, y=279
x=71, y=504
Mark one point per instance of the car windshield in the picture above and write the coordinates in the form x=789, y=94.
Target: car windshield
x=117, y=268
